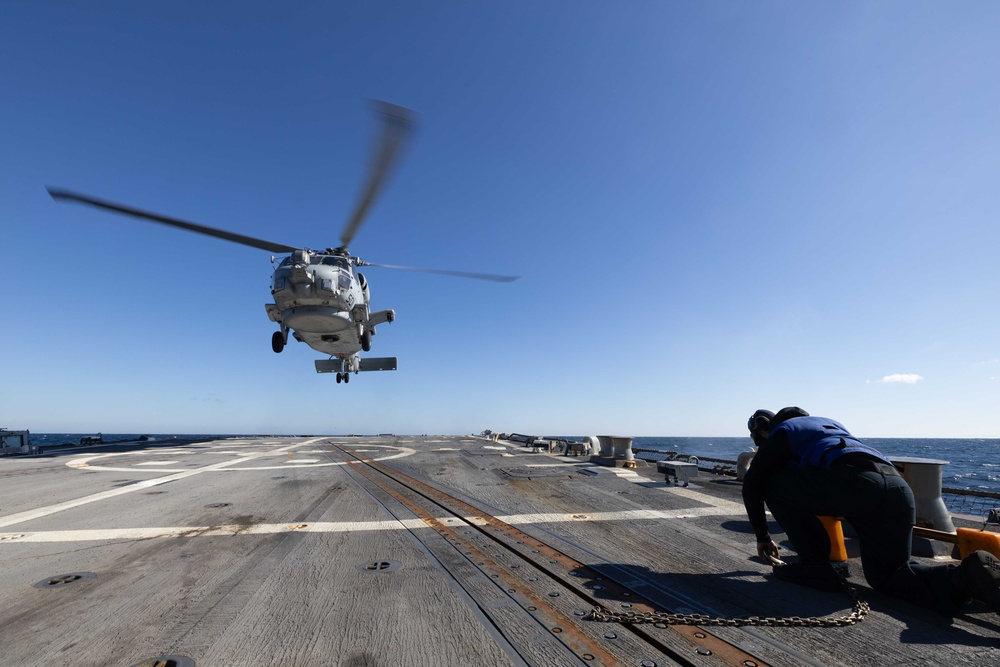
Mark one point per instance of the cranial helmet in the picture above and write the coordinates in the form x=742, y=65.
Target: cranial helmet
x=760, y=421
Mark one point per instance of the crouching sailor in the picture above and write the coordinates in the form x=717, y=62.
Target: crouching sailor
x=807, y=467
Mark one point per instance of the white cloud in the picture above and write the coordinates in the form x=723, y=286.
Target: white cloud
x=905, y=378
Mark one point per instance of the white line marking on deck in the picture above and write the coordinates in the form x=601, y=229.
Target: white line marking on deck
x=729, y=506
x=551, y=465
x=102, y=535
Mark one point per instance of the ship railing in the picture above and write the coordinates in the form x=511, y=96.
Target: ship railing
x=970, y=502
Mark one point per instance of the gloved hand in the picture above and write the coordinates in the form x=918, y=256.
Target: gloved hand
x=768, y=551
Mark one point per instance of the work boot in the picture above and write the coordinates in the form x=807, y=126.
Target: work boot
x=813, y=574
x=978, y=577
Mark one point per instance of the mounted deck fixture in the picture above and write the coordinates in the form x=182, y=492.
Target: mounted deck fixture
x=615, y=451
x=681, y=472
x=924, y=478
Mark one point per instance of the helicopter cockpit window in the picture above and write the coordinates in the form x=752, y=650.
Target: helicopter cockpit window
x=285, y=262
x=335, y=261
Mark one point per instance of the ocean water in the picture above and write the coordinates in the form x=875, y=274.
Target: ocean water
x=973, y=464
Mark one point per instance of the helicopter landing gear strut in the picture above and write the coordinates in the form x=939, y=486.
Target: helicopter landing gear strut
x=343, y=377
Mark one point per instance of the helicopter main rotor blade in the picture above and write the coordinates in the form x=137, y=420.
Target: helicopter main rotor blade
x=65, y=195
x=459, y=274
x=397, y=122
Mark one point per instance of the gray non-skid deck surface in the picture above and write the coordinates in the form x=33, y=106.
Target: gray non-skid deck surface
x=260, y=591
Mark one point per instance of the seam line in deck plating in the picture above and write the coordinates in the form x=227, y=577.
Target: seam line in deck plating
x=496, y=530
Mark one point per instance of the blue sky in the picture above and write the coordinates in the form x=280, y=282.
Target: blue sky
x=714, y=207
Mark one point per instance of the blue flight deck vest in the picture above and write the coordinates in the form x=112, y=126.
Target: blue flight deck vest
x=817, y=442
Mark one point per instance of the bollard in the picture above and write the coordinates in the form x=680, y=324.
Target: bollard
x=607, y=446
x=622, y=448
x=969, y=541
x=924, y=478
x=615, y=451
x=743, y=464
x=838, y=552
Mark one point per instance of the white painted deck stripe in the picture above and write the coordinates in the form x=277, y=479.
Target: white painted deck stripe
x=108, y=534
x=691, y=494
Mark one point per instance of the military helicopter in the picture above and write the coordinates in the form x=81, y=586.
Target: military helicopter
x=319, y=296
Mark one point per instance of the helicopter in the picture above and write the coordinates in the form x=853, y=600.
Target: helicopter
x=320, y=298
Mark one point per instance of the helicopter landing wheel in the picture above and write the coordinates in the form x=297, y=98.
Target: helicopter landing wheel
x=366, y=341
x=347, y=378
x=340, y=378
x=277, y=342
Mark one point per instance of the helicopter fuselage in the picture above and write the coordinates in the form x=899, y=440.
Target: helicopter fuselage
x=324, y=302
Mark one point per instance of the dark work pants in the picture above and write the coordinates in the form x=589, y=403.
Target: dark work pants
x=881, y=510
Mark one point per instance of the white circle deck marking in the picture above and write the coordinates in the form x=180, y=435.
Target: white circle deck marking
x=223, y=466
x=226, y=449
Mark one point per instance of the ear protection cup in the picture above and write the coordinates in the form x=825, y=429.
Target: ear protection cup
x=760, y=421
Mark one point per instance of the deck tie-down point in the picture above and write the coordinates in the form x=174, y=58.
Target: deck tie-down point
x=166, y=661
x=380, y=566
x=63, y=580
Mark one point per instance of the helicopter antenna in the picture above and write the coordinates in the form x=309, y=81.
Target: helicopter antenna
x=397, y=124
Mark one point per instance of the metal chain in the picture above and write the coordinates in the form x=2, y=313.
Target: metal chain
x=663, y=618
